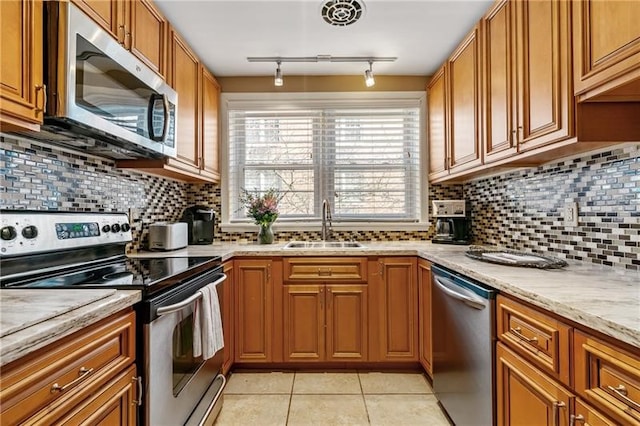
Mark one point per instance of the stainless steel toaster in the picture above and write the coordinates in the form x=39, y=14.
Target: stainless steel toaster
x=168, y=236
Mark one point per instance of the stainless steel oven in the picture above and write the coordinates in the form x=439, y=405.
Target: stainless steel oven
x=175, y=377
x=85, y=250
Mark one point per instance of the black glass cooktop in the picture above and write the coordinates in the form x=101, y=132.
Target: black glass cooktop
x=139, y=273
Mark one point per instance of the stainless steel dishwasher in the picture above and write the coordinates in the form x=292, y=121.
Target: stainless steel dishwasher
x=463, y=347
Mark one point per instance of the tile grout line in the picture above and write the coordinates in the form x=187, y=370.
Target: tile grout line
x=366, y=409
x=293, y=383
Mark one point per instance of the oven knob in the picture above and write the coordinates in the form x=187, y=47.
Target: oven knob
x=115, y=228
x=30, y=232
x=125, y=227
x=106, y=228
x=8, y=233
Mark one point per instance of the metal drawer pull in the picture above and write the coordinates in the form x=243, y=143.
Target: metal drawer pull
x=518, y=332
x=573, y=419
x=556, y=405
x=138, y=381
x=621, y=391
x=82, y=374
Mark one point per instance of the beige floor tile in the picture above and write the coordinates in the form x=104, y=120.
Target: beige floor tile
x=389, y=383
x=263, y=410
x=395, y=410
x=260, y=383
x=327, y=410
x=326, y=383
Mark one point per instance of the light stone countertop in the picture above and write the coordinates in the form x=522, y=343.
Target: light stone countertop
x=599, y=297
x=32, y=318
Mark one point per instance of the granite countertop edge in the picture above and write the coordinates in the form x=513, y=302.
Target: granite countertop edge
x=549, y=290
x=23, y=342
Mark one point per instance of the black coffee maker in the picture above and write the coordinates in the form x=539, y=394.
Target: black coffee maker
x=201, y=223
x=452, y=224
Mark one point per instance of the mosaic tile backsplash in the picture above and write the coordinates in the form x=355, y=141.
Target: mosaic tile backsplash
x=520, y=210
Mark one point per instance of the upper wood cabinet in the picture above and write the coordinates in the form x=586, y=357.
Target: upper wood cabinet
x=543, y=65
x=137, y=25
x=454, y=111
x=394, y=300
x=209, y=133
x=499, y=82
x=22, y=93
x=606, y=46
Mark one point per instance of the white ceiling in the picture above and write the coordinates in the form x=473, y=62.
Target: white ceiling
x=420, y=33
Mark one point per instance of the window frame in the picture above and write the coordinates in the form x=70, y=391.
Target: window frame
x=325, y=100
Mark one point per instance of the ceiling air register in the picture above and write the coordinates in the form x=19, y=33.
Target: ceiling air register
x=341, y=13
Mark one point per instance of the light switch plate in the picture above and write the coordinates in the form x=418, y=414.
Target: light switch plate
x=571, y=214
x=134, y=214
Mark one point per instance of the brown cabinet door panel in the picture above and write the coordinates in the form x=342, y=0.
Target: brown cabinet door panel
x=210, y=124
x=227, y=309
x=304, y=322
x=346, y=322
x=107, y=13
x=149, y=35
x=437, y=118
x=424, y=314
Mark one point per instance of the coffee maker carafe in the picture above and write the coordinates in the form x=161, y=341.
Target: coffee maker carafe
x=201, y=222
x=452, y=225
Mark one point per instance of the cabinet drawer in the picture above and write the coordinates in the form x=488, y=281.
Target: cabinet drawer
x=538, y=337
x=346, y=269
x=585, y=415
x=64, y=373
x=608, y=377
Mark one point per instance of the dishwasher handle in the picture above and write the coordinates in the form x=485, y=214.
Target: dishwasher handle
x=449, y=288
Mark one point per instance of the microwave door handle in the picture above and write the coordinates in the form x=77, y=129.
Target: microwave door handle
x=164, y=310
x=165, y=113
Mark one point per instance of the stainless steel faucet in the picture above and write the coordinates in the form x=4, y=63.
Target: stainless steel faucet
x=326, y=216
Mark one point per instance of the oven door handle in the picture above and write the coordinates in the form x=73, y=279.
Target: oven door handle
x=186, y=302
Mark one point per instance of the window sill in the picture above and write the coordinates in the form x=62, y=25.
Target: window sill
x=316, y=226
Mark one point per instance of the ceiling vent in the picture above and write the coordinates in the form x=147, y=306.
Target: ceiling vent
x=341, y=13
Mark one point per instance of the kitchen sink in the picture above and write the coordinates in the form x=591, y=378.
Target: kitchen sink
x=323, y=245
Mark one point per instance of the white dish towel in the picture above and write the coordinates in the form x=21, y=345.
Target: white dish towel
x=207, y=324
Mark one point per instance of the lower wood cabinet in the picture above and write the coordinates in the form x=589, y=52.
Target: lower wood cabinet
x=394, y=300
x=424, y=315
x=525, y=396
x=227, y=308
x=257, y=334
x=87, y=377
x=325, y=322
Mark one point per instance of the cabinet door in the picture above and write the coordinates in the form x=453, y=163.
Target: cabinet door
x=253, y=310
x=210, y=121
x=21, y=87
x=116, y=404
x=499, y=100
x=185, y=71
x=464, y=106
x=606, y=44
x=304, y=323
x=438, y=131
x=148, y=35
x=525, y=396
x=346, y=321
x=109, y=14
x=584, y=415
x=424, y=301
x=227, y=315
x=545, y=89
x=397, y=295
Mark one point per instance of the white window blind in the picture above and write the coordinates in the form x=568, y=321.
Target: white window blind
x=364, y=160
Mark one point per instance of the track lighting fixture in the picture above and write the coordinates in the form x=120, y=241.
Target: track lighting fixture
x=278, y=81
x=368, y=76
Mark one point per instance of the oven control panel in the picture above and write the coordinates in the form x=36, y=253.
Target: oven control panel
x=30, y=231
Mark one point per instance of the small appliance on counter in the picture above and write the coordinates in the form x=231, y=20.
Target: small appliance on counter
x=452, y=224
x=167, y=236
x=201, y=223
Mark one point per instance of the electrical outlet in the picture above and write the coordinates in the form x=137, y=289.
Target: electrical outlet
x=571, y=214
x=134, y=214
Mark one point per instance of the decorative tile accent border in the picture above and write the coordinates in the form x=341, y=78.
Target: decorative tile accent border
x=524, y=210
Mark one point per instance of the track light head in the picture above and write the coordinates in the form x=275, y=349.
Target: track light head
x=368, y=76
x=278, y=81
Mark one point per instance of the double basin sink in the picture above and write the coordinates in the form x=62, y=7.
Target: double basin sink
x=313, y=245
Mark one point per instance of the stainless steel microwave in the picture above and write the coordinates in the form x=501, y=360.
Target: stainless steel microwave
x=100, y=98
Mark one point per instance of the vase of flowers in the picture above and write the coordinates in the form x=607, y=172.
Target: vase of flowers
x=263, y=208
